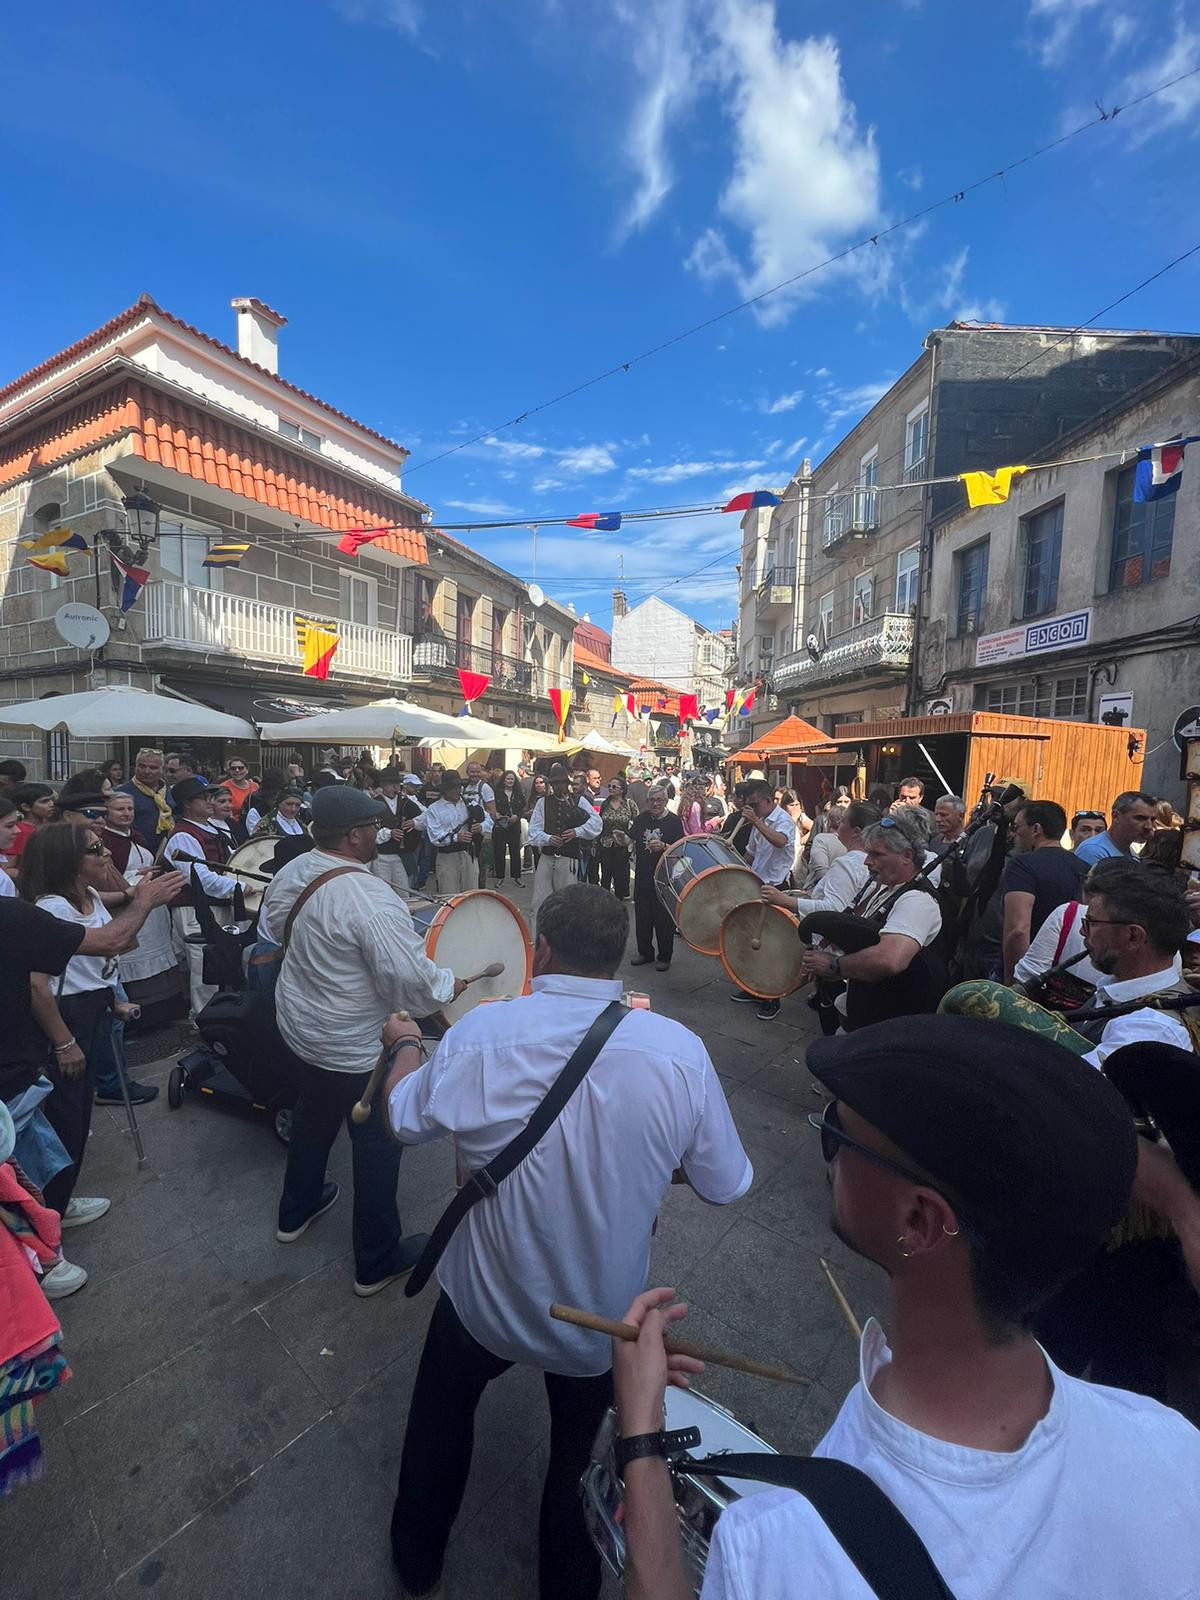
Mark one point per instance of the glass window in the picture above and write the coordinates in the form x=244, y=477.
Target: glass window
x=916, y=442
x=825, y=616
x=834, y=509
x=908, y=564
x=1043, y=547
x=862, y=598
x=1045, y=697
x=972, y=587
x=181, y=553
x=1142, y=536
x=304, y=436
x=866, y=512
x=358, y=599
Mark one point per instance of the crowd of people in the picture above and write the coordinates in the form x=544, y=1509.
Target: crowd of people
x=1027, y=1174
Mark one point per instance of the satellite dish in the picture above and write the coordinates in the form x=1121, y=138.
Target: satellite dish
x=536, y=596
x=82, y=626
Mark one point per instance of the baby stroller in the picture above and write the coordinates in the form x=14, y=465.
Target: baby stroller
x=241, y=1058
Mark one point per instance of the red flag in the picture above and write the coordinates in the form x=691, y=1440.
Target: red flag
x=631, y=705
x=351, y=541
x=689, y=708
x=472, y=684
x=728, y=699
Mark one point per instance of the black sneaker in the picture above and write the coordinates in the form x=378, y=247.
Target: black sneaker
x=768, y=1011
x=407, y=1256
x=741, y=998
x=140, y=1094
x=328, y=1195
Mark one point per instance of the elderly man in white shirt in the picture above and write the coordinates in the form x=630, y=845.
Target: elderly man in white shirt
x=572, y=1222
x=448, y=825
x=351, y=957
x=771, y=849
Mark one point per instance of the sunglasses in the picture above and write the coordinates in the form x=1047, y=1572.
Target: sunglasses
x=92, y=813
x=1088, y=921
x=1088, y=816
x=834, y=1137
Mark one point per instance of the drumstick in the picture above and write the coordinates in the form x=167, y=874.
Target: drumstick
x=756, y=942
x=676, y=1347
x=361, y=1109
x=843, y=1304
x=494, y=971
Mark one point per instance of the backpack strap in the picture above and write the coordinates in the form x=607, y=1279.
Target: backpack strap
x=1068, y=922
x=309, y=889
x=876, y=1536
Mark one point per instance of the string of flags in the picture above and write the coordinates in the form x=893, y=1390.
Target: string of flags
x=318, y=643
x=49, y=550
x=127, y=581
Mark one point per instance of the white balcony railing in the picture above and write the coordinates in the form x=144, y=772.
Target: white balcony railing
x=205, y=619
x=882, y=643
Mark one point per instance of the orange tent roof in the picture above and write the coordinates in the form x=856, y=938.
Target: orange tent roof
x=791, y=734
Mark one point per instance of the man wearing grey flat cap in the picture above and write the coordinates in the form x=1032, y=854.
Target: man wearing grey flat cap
x=352, y=957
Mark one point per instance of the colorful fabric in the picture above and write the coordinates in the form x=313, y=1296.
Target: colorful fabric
x=225, y=555
x=127, y=581
x=165, y=821
x=1160, y=469
x=472, y=684
x=980, y=998
x=689, y=708
x=750, y=500
x=318, y=644
x=23, y=1381
x=350, y=543
x=990, y=488
x=560, y=703
x=597, y=521
x=26, y=1227
x=54, y=561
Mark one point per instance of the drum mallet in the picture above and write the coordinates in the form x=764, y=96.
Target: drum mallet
x=756, y=942
x=676, y=1347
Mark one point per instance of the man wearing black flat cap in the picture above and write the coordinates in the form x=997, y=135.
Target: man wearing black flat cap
x=980, y=1173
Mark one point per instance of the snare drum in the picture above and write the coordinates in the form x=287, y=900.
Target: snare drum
x=698, y=880
x=699, y=1501
x=249, y=864
x=773, y=969
x=467, y=933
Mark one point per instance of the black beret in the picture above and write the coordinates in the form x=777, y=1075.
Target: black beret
x=1031, y=1140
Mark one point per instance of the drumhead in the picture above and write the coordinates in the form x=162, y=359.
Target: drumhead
x=705, y=901
x=685, y=860
x=253, y=856
x=772, y=970
x=469, y=932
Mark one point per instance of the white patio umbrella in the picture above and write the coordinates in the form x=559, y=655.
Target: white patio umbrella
x=119, y=711
x=377, y=723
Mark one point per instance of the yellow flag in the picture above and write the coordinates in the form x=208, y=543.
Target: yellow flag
x=990, y=488
x=618, y=702
x=50, y=540
x=52, y=561
x=586, y=679
x=318, y=645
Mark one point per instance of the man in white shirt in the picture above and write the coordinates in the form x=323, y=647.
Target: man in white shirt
x=451, y=832
x=979, y=1177
x=558, y=822
x=387, y=863
x=479, y=795
x=772, y=846
x=352, y=957
x=573, y=1222
x=198, y=842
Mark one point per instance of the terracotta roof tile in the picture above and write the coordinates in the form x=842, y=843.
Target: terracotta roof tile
x=793, y=733
x=594, y=663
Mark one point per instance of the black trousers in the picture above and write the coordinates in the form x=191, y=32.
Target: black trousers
x=614, y=871
x=454, y=1371
x=506, y=848
x=652, y=921
x=69, y=1109
x=322, y=1106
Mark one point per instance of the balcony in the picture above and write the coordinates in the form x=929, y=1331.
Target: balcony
x=207, y=620
x=882, y=644
x=775, y=592
x=437, y=656
x=848, y=516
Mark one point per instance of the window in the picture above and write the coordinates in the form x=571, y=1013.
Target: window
x=972, y=587
x=908, y=567
x=58, y=755
x=358, y=599
x=304, y=436
x=916, y=443
x=1142, y=536
x=825, y=617
x=867, y=510
x=1042, y=538
x=1043, y=697
x=834, y=505
x=181, y=553
x=466, y=628
x=862, y=598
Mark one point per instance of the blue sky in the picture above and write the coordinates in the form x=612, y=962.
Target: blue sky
x=465, y=208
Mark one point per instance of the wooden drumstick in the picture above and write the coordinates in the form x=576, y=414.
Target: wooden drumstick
x=676, y=1347
x=361, y=1109
x=494, y=971
x=843, y=1304
x=756, y=942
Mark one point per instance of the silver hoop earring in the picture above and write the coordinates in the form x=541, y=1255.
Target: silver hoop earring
x=951, y=1233
x=907, y=1254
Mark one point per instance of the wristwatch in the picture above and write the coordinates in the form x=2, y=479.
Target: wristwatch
x=662, y=1443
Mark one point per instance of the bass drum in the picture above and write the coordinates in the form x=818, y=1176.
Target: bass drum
x=467, y=933
x=698, y=880
x=699, y=1501
x=249, y=864
x=761, y=951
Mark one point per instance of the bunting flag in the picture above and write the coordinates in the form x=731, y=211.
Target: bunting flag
x=317, y=643
x=689, y=708
x=48, y=551
x=560, y=701
x=225, y=555
x=989, y=488
x=585, y=677
x=472, y=684
x=618, y=706
x=596, y=521
x=747, y=704
x=659, y=703
x=631, y=705
x=351, y=542
x=1160, y=469
x=729, y=694
x=751, y=500
x=711, y=715
x=127, y=581
x=655, y=728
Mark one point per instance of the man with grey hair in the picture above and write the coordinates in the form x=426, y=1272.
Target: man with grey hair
x=1133, y=815
x=889, y=961
x=948, y=821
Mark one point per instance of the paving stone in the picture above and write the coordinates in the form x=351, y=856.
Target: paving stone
x=50, y=1545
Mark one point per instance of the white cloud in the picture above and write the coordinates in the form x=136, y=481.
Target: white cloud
x=402, y=15
x=947, y=296
x=662, y=37
x=1178, y=105
x=838, y=404
x=586, y=460
x=547, y=485
x=784, y=402
x=484, y=508
x=912, y=178
x=1066, y=30
x=515, y=449
x=680, y=471
x=1054, y=23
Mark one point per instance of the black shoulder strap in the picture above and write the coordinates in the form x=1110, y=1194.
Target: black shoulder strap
x=875, y=1534
x=488, y=1179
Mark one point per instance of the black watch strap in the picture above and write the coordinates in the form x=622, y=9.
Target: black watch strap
x=662, y=1443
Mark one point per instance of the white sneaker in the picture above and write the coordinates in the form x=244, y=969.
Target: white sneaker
x=63, y=1279
x=82, y=1210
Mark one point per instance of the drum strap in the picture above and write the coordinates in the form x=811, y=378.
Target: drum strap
x=484, y=1183
x=872, y=1530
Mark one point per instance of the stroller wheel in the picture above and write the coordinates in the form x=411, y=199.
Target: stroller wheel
x=283, y=1124
x=175, y=1088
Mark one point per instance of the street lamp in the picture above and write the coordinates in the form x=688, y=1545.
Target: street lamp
x=142, y=515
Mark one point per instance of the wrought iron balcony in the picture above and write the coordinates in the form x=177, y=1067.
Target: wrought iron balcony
x=882, y=644
x=854, y=513
x=210, y=621
x=437, y=656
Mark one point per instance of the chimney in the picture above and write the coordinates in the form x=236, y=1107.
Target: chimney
x=620, y=603
x=258, y=332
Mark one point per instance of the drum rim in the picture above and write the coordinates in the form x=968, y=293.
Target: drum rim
x=732, y=866
x=759, y=994
x=448, y=903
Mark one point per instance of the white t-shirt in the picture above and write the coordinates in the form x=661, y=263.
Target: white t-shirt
x=573, y=1222
x=1099, y=1503
x=7, y=886
x=773, y=863
x=916, y=913
x=83, y=972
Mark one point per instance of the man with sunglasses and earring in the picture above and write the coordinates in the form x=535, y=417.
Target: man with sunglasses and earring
x=980, y=1178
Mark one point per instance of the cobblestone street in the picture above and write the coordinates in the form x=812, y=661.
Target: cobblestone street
x=235, y=1418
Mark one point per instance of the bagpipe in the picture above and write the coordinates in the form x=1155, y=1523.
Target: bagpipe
x=560, y=812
